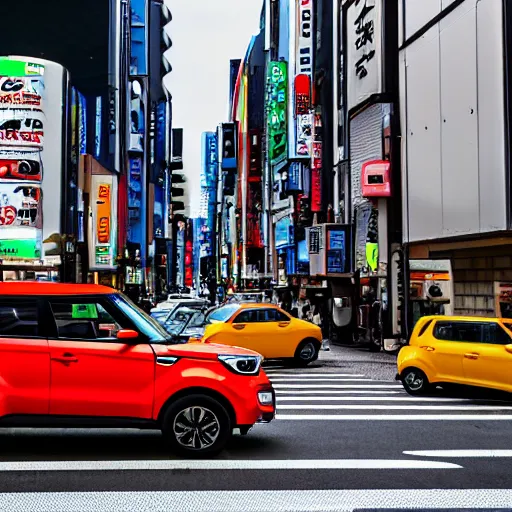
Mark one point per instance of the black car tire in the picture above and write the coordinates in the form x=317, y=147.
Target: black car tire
x=197, y=426
x=415, y=381
x=306, y=352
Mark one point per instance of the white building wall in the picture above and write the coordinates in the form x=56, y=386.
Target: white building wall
x=453, y=127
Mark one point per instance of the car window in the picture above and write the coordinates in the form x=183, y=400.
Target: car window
x=247, y=317
x=424, y=328
x=472, y=332
x=142, y=322
x=18, y=318
x=495, y=334
x=272, y=315
x=223, y=314
x=83, y=320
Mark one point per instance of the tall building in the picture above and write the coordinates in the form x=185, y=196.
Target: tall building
x=98, y=173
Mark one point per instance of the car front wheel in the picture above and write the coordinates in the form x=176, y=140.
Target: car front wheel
x=415, y=382
x=306, y=352
x=197, y=426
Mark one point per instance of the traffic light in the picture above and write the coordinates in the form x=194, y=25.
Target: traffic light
x=177, y=176
x=229, y=146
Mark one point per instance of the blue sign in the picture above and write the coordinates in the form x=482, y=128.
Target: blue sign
x=82, y=123
x=209, y=176
x=336, y=252
x=138, y=62
x=284, y=233
x=295, y=173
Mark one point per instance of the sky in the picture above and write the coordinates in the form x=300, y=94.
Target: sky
x=205, y=35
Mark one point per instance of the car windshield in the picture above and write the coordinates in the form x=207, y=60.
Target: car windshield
x=143, y=322
x=184, y=317
x=160, y=316
x=222, y=314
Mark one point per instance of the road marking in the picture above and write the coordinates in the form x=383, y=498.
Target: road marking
x=394, y=417
x=397, y=407
x=321, y=379
x=318, y=375
x=224, y=465
x=341, y=392
x=462, y=453
x=260, y=501
x=292, y=398
x=338, y=386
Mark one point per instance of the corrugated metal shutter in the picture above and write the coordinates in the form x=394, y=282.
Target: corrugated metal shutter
x=365, y=145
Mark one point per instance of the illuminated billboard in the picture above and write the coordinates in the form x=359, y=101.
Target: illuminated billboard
x=277, y=111
x=103, y=226
x=22, y=124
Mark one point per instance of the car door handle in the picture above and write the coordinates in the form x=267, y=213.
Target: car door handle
x=428, y=349
x=66, y=358
x=239, y=327
x=471, y=356
x=283, y=324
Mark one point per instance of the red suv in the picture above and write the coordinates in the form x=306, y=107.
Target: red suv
x=86, y=356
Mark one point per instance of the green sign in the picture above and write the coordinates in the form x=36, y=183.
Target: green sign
x=20, y=249
x=84, y=311
x=277, y=80
x=16, y=68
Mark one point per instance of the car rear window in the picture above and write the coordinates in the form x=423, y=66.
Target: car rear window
x=223, y=314
x=424, y=328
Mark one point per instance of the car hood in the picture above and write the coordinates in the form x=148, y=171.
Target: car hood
x=200, y=350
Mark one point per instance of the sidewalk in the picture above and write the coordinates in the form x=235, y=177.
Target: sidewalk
x=378, y=366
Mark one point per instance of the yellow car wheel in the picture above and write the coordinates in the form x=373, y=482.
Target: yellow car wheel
x=307, y=352
x=415, y=382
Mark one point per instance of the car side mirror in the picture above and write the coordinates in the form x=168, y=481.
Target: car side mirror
x=127, y=334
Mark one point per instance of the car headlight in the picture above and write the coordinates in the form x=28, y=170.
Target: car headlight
x=243, y=365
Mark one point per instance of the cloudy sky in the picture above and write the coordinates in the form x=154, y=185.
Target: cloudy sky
x=205, y=34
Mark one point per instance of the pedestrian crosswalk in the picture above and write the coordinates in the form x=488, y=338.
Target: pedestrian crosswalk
x=319, y=394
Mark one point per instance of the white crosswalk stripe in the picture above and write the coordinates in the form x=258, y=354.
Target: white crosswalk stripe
x=303, y=394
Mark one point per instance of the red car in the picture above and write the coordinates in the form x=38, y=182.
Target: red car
x=86, y=356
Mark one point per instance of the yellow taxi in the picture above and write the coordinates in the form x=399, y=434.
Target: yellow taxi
x=470, y=351
x=264, y=328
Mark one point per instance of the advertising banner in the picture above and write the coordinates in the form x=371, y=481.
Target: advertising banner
x=103, y=228
x=364, y=51
x=284, y=233
x=302, y=48
x=277, y=111
x=22, y=122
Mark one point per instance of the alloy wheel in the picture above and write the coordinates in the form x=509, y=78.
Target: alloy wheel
x=196, y=428
x=307, y=352
x=414, y=380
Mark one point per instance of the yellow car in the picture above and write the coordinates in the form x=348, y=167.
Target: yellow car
x=266, y=329
x=471, y=351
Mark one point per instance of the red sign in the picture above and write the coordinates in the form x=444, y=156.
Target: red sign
x=22, y=137
x=7, y=215
x=302, y=95
x=316, y=190
x=316, y=177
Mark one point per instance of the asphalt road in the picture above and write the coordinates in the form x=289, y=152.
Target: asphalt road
x=346, y=437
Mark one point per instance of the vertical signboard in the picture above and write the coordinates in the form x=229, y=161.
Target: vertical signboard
x=22, y=124
x=364, y=51
x=316, y=167
x=277, y=111
x=103, y=228
x=303, y=80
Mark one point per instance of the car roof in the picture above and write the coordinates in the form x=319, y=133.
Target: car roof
x=460, y=318
x=38, y=288
x=253, y=305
